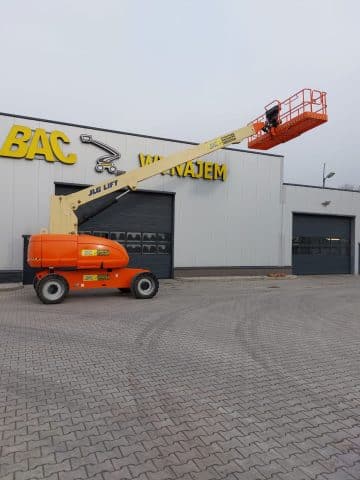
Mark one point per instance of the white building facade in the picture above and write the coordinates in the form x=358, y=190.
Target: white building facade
x=227, y=213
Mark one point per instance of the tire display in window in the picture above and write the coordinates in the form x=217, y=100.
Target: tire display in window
x=146, y=243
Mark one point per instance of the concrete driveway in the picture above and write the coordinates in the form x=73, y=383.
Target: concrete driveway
x=233, y=379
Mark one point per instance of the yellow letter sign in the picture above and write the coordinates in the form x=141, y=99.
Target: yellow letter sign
x=22, y=142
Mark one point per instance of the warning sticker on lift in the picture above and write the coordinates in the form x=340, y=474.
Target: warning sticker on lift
x=220, y=142
x=103, y=253
x=95, y=253
x=214, y=144
x=88, y=253
x=95, y=278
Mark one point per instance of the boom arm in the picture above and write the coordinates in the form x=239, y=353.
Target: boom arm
x=62, y=209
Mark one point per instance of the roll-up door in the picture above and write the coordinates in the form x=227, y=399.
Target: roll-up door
x=321, y=244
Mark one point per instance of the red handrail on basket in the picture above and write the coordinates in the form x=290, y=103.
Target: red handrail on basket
x=302, y=111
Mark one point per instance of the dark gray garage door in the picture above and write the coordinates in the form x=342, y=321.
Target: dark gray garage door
x=321, y=244
x=142, y=221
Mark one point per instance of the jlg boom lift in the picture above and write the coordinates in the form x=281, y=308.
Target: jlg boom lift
x=67, y=261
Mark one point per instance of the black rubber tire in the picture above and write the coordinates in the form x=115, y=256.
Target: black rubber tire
x=52, y=289
x=144, y=285
x=35, y=283
x=124, y=290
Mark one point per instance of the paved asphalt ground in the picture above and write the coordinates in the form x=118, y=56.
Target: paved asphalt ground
x=234, y=379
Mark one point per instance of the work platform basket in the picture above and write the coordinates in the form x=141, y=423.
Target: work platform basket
x=302, y=111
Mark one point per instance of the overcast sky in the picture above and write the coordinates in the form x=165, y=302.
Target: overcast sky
x=188, y=69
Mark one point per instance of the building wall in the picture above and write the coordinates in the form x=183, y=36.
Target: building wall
x=237, y=222
x=302, y=199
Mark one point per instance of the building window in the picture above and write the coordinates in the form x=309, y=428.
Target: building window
x=119, y=237
x=325, y=245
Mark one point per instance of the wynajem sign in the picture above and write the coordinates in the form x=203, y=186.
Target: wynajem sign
x=27, y=143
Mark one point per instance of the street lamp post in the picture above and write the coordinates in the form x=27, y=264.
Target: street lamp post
x=325, y=177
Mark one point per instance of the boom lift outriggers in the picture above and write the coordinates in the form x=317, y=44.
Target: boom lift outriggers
x=67, y=261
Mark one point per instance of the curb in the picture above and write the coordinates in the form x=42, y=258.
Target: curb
x=10, y=287
x=232, y=278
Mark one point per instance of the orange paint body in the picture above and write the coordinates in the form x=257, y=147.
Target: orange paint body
x=85, y=261
x=287, y=131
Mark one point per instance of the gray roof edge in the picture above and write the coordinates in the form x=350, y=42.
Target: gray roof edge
x=100, y=129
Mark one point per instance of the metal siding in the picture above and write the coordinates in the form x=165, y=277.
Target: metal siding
x=223, y=224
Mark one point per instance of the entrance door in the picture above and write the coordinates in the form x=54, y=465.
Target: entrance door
x=143, y=221
x=321, y=244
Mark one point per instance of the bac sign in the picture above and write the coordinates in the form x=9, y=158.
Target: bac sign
x=23, y=142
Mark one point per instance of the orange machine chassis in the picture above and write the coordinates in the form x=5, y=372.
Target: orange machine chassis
x=95, y=278
x=81, y=262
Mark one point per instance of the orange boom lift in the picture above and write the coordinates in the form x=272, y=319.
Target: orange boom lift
x=66, y=261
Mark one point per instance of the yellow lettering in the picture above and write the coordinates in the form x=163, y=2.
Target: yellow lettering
x=189, y=170
x=13, y=140
x=55, y=136
x=40, y=145
x=208, y=170
x=195, y=169
x=157, y=158
x=220, y=171
x=145, y=160
x=200, y=165
x=180, y=170
x=148, y=160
